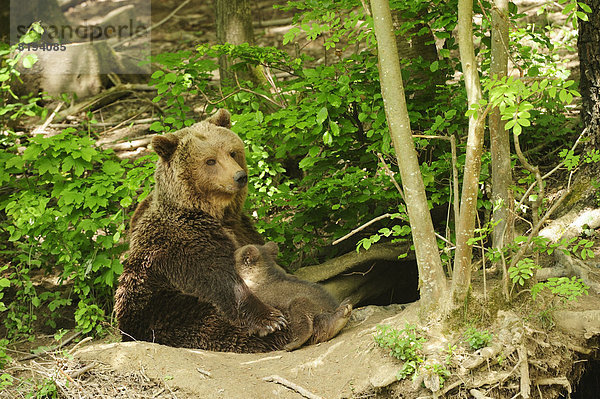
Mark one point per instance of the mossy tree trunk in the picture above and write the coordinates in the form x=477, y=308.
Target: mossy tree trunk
x=588, y=45
x=461, y=277
x=499, y=139
x=431, y=274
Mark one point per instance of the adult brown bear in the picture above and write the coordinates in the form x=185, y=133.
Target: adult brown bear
x=179, y=285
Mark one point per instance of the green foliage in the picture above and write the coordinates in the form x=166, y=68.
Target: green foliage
x=522, y=271
x=12, y=107
x=66, y=204
x=477, y=339
x=564, y=288
x=405, y=345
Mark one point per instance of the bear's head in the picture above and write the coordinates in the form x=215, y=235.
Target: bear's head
x=202, y=167
x=256, y=263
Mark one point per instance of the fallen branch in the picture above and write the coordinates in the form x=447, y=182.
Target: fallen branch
x=378, y=218
x=564, y=381
x=54, y=348
x=42, y=129
x=346, y=262
x=294, y=387
x=524, y=369
x=83, y=370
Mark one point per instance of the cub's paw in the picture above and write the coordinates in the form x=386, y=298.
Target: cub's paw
x=270, y=321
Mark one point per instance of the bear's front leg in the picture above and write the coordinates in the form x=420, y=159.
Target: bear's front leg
x=259, y=317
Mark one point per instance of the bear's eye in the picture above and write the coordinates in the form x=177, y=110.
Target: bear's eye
x=211, y=162
x=233, y=154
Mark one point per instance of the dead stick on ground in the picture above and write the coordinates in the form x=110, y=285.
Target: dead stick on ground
x=83, y=370
x=65, y=342
x=42, y=128
x=525, y=381
x=294, y=387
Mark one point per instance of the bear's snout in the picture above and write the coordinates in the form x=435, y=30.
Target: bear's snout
x=241, y=178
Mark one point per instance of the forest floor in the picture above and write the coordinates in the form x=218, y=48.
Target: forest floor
x=545, y=345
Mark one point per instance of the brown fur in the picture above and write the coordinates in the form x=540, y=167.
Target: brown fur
x=179, y=286
x=314, y=315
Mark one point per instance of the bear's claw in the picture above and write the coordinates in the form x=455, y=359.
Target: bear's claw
x=274, y=321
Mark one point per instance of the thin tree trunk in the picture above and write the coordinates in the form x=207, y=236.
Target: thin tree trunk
x=461, y=277
x=499, y=140
x=589, y=66
x=431, y=274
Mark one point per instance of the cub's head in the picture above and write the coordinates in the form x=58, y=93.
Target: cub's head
x=202, y=167
x=256, y=263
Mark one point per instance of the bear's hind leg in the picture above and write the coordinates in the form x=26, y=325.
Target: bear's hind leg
x=328, y=325
x=300, y=323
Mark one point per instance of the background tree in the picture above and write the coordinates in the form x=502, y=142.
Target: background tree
x=588, y=44
x=461, y=277
x=234, y=26
x=431, y=274
x=499, y=138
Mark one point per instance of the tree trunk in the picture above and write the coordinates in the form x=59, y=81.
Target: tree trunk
x=499, y=138
x=234, y=26
x=461, y=278
x=589, y=66
x=431, y=274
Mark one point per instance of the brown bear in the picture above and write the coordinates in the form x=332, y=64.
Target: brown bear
x=313, y=314
x=179, y=285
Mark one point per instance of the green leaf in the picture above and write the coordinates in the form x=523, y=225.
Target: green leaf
x=322, y=115
x=29, y=60
x=112, y=168
x=4, y=282
x=435, y=65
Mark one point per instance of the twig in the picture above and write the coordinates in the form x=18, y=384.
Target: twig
x=65, y=342
x=370, y=222
x=294, y=387
x=156, y=25
x=86, y=339
x=389, y=173
x=204, y=372
x=557, y=167
x=83, y=370
x=361, y=273
x=107, y=124
x=272, y=22
x=263, y=359
x=538, y=177
x=537, y=228
x=42, y=128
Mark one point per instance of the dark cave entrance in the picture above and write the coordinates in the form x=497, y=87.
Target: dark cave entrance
x=588, y=386
x=393, y=282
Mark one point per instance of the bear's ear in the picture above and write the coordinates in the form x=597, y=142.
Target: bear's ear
x=250, y=254
x=221, y=118
x=272, y=249
x=165, y=145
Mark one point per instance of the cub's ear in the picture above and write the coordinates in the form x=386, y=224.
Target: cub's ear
x=272, y=249
x=221, y=118
x=165, y=145
x=250, y=254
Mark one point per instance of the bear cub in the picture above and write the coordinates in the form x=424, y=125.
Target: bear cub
x=313, y=314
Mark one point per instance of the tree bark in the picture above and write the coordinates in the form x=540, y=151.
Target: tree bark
x=502, y=199
x=234, y=26
x=589, y=66
x=461, y=278
x=431, y=274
